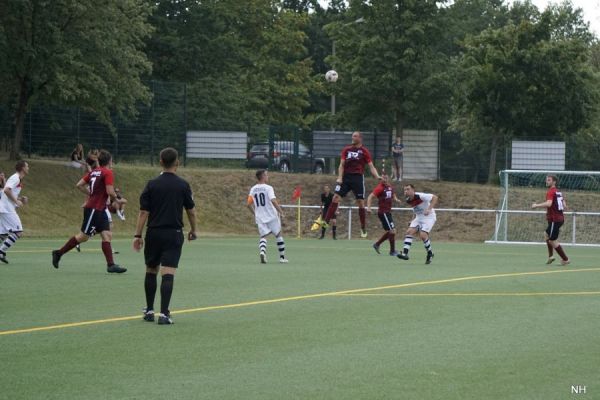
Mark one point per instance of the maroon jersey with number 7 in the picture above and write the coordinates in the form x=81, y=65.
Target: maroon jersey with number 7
x=97, y=180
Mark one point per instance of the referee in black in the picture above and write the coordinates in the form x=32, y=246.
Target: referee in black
x=161, y=204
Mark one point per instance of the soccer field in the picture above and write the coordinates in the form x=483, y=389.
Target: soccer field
x=337, y=322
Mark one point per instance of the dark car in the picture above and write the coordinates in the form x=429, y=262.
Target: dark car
x=283, y=158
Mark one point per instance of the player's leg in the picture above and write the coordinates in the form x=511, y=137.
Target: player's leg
x=88, y=229
x=408, y=239
x=427, y=244
x=169, y=261
x=358, y=188
x=386, y=234
x=553, y=236
x=103, y=226
x=391, y=233
x=549, y=245
x=11, y=225
x=275, y=226
x=340, y=191
x=426, y=227
x=334, y=228
x=263, y=231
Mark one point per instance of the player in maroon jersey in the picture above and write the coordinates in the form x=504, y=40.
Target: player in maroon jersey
x=555, y=204
x=98, y=184
x=384, y=192
x=351, y=178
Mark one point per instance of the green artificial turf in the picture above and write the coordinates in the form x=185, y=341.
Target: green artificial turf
x=337, y=322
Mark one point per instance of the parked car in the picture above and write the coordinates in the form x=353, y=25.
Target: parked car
x=283, y=158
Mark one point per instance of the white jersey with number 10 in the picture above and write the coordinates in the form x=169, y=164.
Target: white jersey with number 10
x=261, y=195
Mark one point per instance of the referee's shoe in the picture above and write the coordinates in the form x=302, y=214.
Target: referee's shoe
x=165, y=319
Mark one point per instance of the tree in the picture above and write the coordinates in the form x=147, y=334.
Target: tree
x=246, y=63
x=73, y=52
x=528, y=78
x=390, y=70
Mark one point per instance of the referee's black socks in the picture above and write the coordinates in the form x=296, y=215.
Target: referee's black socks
x=166, y=289
x=150, y=288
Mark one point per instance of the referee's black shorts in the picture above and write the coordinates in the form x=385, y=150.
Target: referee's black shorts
x=354, y=183
x=553, y=229
x=386, y=221
x=163, y=247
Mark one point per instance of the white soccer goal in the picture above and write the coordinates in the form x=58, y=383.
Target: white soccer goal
x=517, y=223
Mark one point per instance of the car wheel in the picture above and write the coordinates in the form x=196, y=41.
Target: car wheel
x=319, y=169
x=284, y=167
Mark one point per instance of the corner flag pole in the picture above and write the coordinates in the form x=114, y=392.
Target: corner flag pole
x=298, y=216
x=296, y=196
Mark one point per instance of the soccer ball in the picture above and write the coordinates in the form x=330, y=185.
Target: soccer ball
x=331, y=76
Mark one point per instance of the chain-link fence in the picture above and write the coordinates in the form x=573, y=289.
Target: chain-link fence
x=55, y=131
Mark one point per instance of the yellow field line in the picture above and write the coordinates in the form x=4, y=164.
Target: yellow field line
x=293, y=298
x=473, y=294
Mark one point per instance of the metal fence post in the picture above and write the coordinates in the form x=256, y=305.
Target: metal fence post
x=152, y=126
x=184, y=124
x=574, y=240
x=349, y=223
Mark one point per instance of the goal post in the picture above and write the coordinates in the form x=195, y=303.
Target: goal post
x=517, y=223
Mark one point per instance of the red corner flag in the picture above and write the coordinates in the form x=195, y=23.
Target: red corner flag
x=297, y=193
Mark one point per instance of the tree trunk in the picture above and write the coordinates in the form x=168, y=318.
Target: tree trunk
x=493, y=151
x=20, y=113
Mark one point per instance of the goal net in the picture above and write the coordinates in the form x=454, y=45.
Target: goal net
x=517, y=222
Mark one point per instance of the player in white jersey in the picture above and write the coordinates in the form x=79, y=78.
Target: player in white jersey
x=422, y=204
x=10, y=223
x=267, y=212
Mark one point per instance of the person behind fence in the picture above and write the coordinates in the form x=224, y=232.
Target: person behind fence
x=77, y=157
x=384, y=192
x=11, y=228
x=423, y=206
x=351, y=178
x=267, y=213
x=326, y=199
x=555, y=205
x=397, y=153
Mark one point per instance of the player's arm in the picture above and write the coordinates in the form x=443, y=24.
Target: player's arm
x=370, y=201
x=341, y=171
x=432, y=204
x=277, y=207
x=138, y=242
x=9, y=193
x=250, y=204
x=82, y=186
x=546, y=204
x=373, y=170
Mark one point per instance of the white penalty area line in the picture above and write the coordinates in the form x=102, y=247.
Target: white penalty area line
x=295, y=298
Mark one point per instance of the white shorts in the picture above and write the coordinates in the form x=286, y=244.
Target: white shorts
x=10, y=222
x=424, y=224
x=273, y=226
